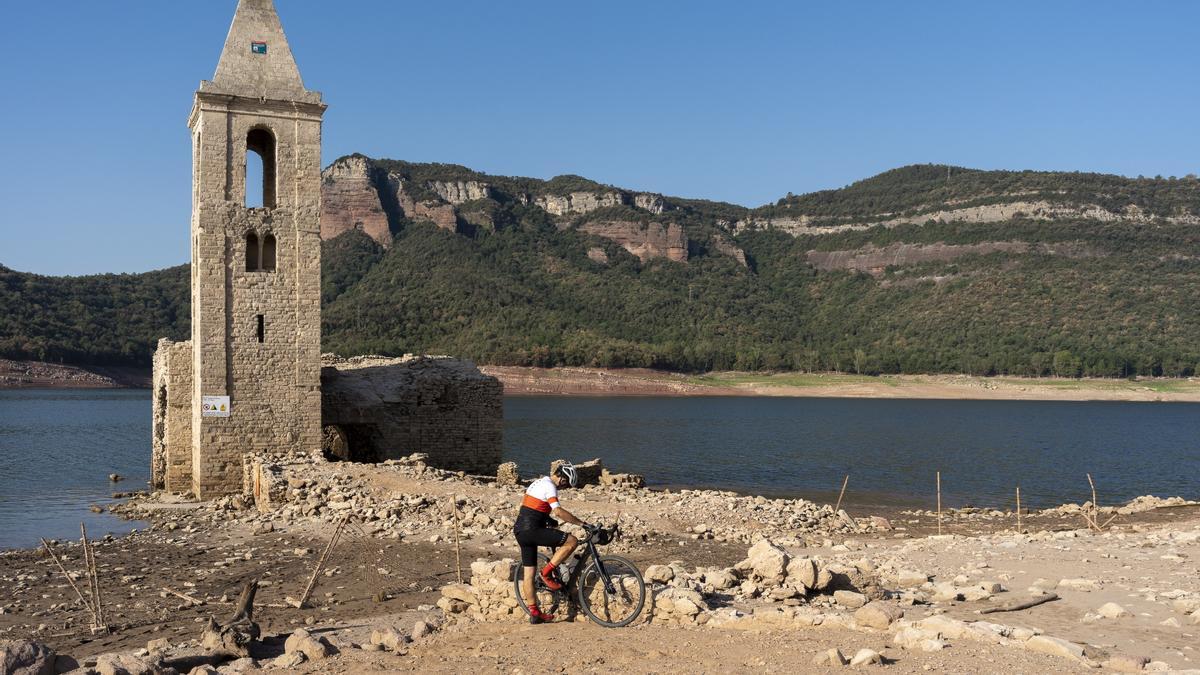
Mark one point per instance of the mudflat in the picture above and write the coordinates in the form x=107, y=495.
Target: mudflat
x=520, y=381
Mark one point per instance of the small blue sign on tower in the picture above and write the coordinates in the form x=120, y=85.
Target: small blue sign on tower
x=258, y=47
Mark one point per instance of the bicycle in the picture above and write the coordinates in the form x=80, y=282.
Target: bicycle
x=610, y=590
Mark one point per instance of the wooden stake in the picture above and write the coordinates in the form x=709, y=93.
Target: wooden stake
x=71, y=581
x=841, y=494
x=312, y=581
x=457, y=550
x=1095, y=507
x=1019, y=528
x=94, y=577
x=939, y=491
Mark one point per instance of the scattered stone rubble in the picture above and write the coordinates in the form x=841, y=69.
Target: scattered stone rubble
x=1136, y=505
x=784, y=587
x=288, y=489
x=782, y=583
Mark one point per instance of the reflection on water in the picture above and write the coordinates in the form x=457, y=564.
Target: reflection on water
x=890, y=448
x=57, y=448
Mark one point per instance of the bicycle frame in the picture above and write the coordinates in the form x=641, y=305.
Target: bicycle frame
x=589, y=550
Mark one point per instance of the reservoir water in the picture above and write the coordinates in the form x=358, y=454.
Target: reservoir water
x=890, y=448
x=57, y=448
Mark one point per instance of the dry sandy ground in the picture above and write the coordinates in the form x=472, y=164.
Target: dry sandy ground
x=585, y=648
x=641, y=382
x=1143, y=562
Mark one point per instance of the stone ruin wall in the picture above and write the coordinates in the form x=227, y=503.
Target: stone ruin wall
x=390, y=408
x=171, y=450
x=387, y=408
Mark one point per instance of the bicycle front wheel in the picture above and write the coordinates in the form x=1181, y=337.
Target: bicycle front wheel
x=619, y=601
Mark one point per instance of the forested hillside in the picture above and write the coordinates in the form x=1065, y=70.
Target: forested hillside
x=104, y=319
x=570, y=272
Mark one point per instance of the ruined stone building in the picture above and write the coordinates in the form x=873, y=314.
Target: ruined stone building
x=250, y=378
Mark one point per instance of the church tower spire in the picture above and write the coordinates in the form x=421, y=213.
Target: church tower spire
x=257, y=60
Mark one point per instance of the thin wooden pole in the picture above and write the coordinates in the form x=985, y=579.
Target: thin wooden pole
x=457, y=549
x=1095, y=506
x=939, y=498
x=312, y=581
x=1019, y=528
x=841, y=494
x=94, y=578
x=71, y=581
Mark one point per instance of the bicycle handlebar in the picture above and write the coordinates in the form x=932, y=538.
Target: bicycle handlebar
x=594, y=529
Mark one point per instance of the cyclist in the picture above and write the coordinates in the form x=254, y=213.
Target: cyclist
x=535, y=527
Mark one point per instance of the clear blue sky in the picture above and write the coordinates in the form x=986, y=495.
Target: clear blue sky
x=737, y=101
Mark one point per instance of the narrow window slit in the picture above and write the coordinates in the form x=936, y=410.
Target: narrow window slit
x=262, y=329
x=251, y=252
x=268, y=253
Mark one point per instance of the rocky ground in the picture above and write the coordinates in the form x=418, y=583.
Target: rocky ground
x=735, y=582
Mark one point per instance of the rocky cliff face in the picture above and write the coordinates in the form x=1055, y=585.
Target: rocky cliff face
x=359, y=193
x=458, y=192
x=653, y=240
x=798, y=225
x=437, y=212
x=578, y=203
x=726, y=246
x=350, y=201
x=875, y=260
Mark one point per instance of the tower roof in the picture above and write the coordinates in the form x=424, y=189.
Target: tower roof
x=257, y=61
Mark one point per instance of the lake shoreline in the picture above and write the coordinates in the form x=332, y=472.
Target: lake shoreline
x=43, y=375
x=582, y=382
x=600, y=382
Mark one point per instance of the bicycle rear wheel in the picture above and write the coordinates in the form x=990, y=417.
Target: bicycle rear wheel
x=618, y=603
x=547, y=600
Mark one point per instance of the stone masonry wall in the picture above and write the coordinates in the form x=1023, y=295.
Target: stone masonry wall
x=273, y=383
x=172, y=415
x=439, y=406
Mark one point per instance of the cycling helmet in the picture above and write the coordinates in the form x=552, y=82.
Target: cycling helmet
x=567, y=470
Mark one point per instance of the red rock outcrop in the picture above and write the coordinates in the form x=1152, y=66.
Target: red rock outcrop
x=350, y=201
x=439, y=213
x=653, y=240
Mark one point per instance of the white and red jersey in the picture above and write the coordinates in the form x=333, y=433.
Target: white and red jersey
x=541, y=498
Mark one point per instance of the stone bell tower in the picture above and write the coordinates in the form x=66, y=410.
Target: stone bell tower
x=256, y=265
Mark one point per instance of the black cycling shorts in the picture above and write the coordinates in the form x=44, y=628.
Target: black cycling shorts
x=534, y=537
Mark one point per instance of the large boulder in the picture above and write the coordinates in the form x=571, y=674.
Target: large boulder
x=126, y=664
x=802, y=573
x=314, y=648
x=721, y=580
x=878, y=615
x=26, y=657
x=659, y=574
x=1046, y=644
x=768, y=562
x=589, y=472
